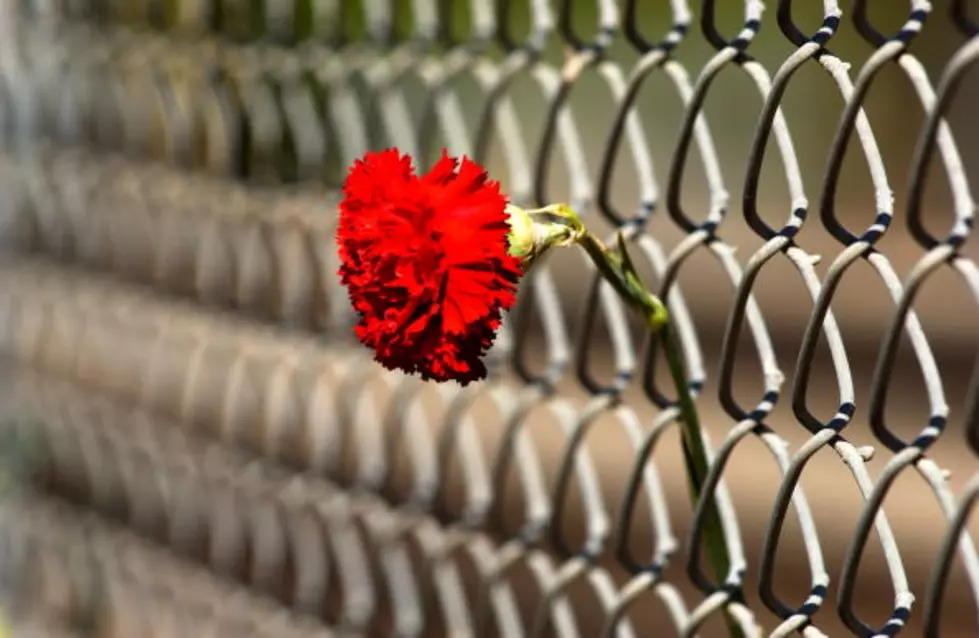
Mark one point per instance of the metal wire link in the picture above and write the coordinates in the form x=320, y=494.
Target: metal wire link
x=139, y=587
x=218, y=452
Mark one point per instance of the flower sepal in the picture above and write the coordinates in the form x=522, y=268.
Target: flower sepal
x=535, y=231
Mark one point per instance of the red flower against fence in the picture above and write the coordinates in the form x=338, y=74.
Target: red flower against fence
x=431, y=263
x=425, y=262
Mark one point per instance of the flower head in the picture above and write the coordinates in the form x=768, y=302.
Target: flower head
x=426, y=263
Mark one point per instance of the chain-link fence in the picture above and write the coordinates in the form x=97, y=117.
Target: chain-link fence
x=207, y=452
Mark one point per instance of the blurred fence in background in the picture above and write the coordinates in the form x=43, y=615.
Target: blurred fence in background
x=199, y=448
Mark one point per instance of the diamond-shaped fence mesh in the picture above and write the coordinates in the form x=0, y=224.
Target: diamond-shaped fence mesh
x=195, y=445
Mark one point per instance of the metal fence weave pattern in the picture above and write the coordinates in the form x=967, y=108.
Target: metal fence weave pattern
x=216, y=455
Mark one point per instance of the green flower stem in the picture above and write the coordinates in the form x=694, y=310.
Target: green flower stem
x=697, y=464
x=534, y=232
x=618, y=269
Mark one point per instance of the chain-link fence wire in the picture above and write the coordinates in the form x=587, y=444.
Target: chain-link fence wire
x=170, y=177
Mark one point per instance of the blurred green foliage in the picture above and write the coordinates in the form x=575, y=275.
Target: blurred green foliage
x=812, y=103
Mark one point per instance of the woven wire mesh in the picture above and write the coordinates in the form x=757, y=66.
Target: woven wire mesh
x=215, y=454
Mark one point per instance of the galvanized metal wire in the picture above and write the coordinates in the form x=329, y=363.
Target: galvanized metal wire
x=216, y=451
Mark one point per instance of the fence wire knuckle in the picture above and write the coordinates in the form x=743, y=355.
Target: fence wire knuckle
x=208, y=451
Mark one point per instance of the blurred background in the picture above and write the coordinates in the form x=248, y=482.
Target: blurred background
x=170, y=175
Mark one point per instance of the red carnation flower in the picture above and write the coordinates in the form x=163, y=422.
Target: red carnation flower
x=425, y=263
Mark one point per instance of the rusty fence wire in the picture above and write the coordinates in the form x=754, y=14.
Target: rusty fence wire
x=205, y=451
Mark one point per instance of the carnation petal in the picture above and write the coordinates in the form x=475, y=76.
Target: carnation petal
x=426, y=263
